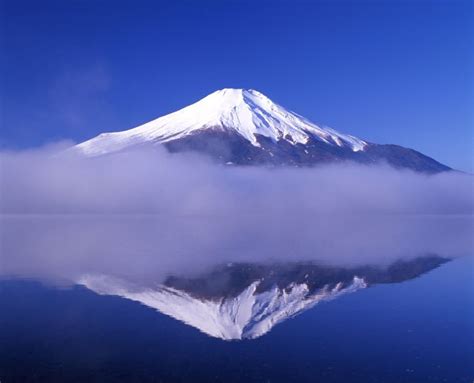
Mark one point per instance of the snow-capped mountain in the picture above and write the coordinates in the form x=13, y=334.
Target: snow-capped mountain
x=244, y=127
x=245, y=301
x=246, y=112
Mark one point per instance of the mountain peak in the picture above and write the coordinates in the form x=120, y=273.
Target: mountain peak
x=225, y=98
x=246, y=112
x=237, y=93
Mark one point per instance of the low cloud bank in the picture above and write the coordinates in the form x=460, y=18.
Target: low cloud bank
x=148, y=214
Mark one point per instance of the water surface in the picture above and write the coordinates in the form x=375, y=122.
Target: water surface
x=421, y=330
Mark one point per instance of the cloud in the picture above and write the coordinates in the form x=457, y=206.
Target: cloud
x=147, y=214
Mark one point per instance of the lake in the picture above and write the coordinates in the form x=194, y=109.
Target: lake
x=419, y=330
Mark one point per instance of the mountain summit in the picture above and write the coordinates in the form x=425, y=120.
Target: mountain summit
x=246, y=112
x=244, y=127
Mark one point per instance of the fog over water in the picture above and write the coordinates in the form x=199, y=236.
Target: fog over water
x=147, y=214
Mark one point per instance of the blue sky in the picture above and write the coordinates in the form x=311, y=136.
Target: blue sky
x=386, y=71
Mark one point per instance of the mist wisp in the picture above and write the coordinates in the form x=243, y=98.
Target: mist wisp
x=147, y=214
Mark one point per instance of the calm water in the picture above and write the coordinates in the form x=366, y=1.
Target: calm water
x=418, y=331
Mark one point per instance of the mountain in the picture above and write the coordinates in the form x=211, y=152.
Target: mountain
x=244, y=127
x=245, y=301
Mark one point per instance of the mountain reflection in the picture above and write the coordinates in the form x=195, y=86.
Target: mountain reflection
x=245, y=301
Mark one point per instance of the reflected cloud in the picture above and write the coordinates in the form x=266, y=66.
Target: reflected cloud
x=149, y=248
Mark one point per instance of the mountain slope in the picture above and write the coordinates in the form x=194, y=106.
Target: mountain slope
x=244, y=127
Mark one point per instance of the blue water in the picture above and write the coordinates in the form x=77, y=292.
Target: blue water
x=416, y=331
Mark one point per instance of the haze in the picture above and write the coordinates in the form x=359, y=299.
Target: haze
x=148, y=214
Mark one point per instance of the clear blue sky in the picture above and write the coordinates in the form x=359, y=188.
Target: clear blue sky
x=386, y=71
